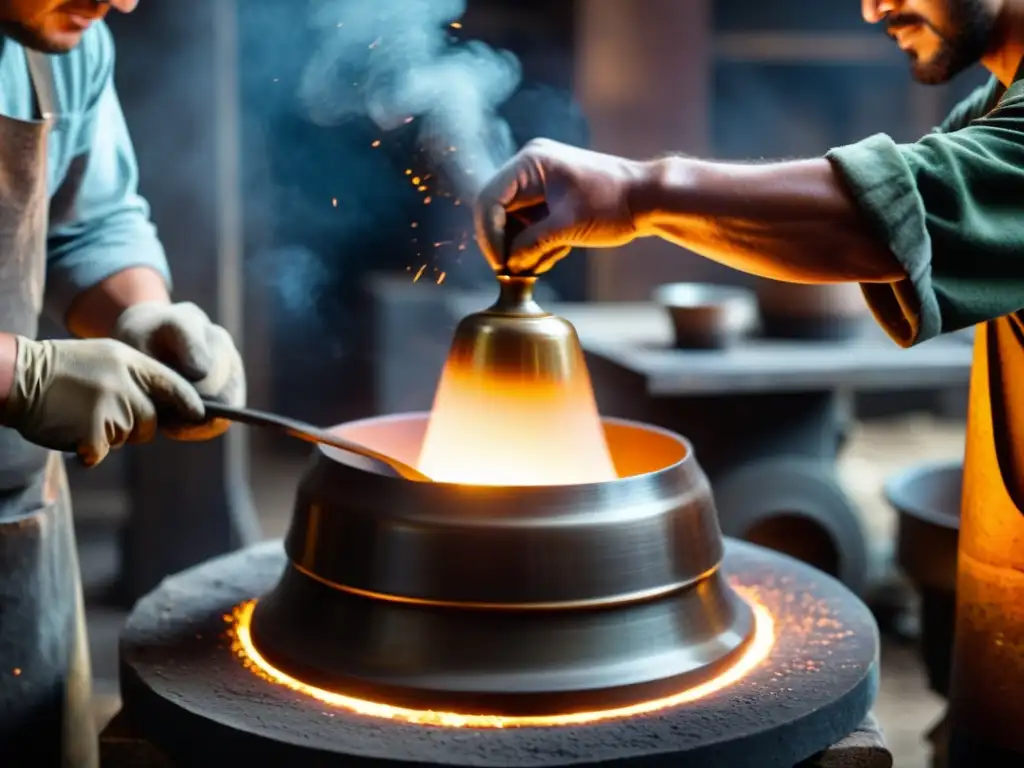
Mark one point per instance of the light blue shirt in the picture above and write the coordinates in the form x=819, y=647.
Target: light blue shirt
x=99, y=224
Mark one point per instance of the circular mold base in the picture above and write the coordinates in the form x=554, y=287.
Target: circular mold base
x=184, y=689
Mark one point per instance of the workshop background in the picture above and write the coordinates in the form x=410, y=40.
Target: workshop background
x=298, y=237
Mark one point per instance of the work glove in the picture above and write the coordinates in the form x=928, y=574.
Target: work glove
x=89, y=396
x=182, y=337
x=550, y=198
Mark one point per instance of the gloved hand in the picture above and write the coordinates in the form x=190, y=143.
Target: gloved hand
x=551, y=197
x=88, y=396
x=182, y=337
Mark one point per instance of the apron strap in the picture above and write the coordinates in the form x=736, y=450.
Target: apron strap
x=40, y=70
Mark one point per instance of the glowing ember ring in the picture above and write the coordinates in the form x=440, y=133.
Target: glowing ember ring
x=754, y=654
x=194, y=694
x=504, y=601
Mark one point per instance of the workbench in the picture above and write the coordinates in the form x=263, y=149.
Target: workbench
x=767, y=418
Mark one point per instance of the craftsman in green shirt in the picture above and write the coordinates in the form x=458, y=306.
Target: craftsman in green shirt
x=933, y=231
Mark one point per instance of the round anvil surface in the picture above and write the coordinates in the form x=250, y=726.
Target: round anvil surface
x=185, y=690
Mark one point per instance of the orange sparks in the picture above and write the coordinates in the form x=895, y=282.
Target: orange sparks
x=414, y=224
x=440, y=278
x=456, y=25
x=426, y=200
x=16, y=671
x=408, y=171
x=757, y=651
x=375, y=143
x=421, y=188
x=334, y=202
x=415, y=179
x=419, y=273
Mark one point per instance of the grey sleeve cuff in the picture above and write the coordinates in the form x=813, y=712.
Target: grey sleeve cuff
x=121, y=243
x=882, y=184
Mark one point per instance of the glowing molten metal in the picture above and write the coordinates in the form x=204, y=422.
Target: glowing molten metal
x=756, y=652
x=492, y=430
x=515, y=406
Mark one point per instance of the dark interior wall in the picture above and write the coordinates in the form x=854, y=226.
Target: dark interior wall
x=803, y=108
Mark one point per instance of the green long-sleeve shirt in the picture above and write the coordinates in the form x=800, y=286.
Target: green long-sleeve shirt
x=950, y=208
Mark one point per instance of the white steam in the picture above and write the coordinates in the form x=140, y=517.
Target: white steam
x=395, y=60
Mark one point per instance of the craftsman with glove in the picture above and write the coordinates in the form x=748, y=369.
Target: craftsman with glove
x=72, y=223
x=934, y=233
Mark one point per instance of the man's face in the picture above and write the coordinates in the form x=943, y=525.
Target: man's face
x=54, y=26
x=941, y=37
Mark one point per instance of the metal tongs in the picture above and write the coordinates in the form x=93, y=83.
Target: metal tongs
x=387, y=465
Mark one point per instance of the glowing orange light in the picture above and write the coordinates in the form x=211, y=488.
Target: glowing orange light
x=756, y=652
x=488, y=430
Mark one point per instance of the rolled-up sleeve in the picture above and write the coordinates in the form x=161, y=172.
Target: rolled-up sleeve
x=951, y=209
x=99, y=224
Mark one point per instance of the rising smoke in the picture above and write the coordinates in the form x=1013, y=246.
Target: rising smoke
x=397, y=61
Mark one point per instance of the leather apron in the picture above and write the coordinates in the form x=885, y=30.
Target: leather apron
x=987, y=688
x=45, y=714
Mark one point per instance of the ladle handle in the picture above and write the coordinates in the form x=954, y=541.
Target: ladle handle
x=310, y=434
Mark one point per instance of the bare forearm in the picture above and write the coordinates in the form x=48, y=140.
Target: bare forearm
x=94, y=313
x=789, y=221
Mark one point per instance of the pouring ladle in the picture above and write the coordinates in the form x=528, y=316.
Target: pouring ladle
x=385, y=464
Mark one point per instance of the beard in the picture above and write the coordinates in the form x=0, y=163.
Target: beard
x=971, y=25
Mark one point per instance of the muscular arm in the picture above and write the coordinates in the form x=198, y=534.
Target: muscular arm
x=932, y=229
x=790, y=221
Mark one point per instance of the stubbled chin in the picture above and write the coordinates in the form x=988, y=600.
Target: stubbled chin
x=44, y=40
x=60, y=41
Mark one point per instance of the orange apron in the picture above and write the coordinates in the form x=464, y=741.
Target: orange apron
x=987, y=689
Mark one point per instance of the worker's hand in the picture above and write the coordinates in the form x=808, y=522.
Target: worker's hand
x=183, y=337
x=550, y=198
x=88, y=396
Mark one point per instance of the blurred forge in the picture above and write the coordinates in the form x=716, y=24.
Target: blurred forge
x=333, y=207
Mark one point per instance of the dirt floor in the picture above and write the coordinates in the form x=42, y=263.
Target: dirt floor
x=906, y=709
x=876, y=451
